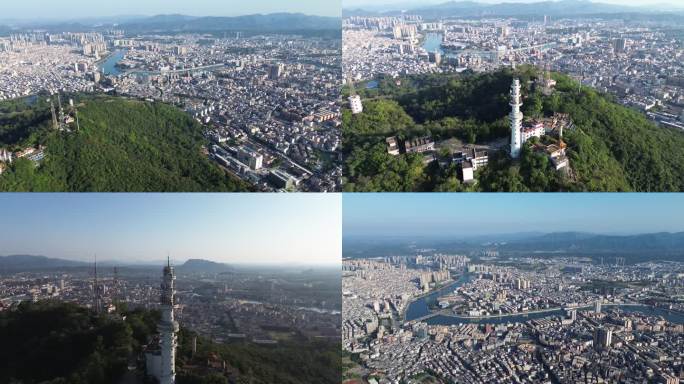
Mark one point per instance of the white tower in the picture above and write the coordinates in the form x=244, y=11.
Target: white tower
x=167, y=328
x=355, y=104
x=516, y=118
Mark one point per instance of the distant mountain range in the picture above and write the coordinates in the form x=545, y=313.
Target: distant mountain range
x=563, y=8
x=17, y=263
x=642, y=247
x=31, y=262
x=667, y=243
x=275, y=22
x=203, y=266
x=270, y=22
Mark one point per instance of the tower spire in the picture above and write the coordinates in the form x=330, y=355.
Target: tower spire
x=516, y=118
x=168, y=327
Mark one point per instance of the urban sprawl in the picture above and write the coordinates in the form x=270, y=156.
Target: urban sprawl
x=269, y=102
x=520, y=320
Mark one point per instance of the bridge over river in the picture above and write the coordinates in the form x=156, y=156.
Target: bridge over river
x=445, y=317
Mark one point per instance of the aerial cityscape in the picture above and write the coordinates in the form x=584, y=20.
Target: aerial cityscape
x=547, y=301
x=261, y=92
x=251, y=317
x=342, y=191
x=427, y=84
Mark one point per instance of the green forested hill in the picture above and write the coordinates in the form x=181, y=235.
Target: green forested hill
x=613, y=148
x=288, y=362
x=71, y=345
x=51, y=342
x=123, y=145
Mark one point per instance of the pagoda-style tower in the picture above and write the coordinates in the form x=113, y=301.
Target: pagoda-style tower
x=167, y=328
x=516, y=118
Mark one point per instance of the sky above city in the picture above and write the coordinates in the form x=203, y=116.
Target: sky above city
x=297, y=229
x=361, y=3
x=72, y=9
x=463, y=215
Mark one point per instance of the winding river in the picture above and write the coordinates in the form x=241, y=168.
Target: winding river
x=433, y=42
x=109, y=64
x=420, y=307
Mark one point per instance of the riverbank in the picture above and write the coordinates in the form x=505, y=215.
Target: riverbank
x=433, y=42
x=444, y=318
x=418, y=309
x=108, y=65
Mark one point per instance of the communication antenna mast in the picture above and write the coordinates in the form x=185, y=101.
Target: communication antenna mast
x=352, y=90
x=61, y=110
x=581, y=78
x=54, y=115
x=116, y=283
x=96, y=290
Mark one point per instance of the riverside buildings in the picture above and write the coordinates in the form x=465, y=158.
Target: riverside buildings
x=488, y=328
x=636, y=59
x=275, y=94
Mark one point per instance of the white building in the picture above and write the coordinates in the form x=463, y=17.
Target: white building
x=516, y=118
x=355, y=104
x=534, y=130
x=468, y=174
x=392, y=146
x=477, y=157
x=5, y=156
x=251, y=157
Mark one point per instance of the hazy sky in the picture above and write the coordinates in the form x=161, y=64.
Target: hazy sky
x=70, y=9
x=359, y=3
x=483, y=214
x=234, y=228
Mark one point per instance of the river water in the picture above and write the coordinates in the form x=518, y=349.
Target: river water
x=109, y=65
x=420, y=308
x=433, y=42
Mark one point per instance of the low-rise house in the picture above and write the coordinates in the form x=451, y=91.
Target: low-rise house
x=392, y=146
x=419, y=145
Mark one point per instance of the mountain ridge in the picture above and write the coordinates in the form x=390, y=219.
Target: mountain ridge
x=551, y=8
x=175, y=22
x=30, y=262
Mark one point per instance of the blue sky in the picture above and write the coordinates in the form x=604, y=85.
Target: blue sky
x=485, y=214
x=234, y=228
x=70, y=9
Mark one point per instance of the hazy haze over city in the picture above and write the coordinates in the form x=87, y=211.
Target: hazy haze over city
x=73, y=9
x=296, y=229
x=375, y=3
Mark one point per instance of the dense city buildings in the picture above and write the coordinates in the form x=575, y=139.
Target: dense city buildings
x=529, y=320
x=250, y=306
x=637, y=60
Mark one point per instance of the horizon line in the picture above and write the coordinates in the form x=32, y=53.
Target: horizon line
x=81, y=18
x=519, y=233
x=179, y=262
x=500, y=2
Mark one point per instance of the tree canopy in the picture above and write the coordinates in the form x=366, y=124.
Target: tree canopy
x=123, y=145
x=612, y=148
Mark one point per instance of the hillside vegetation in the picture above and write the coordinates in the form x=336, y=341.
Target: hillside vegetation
x=72, y=345
x=123, y=145
x=68, y=344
